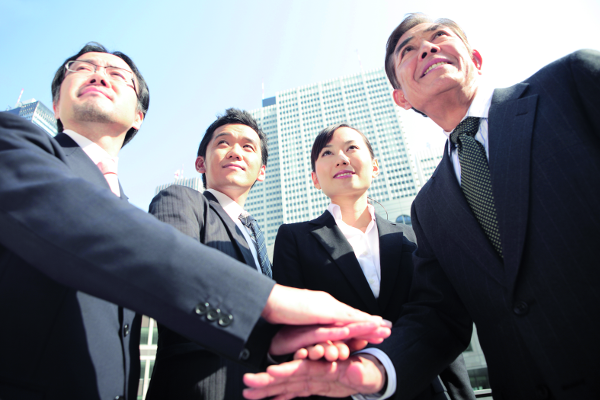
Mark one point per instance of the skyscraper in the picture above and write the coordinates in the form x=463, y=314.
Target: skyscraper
x=292, y=119
x=36, y=112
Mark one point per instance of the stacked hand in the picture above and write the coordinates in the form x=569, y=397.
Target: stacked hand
x=329, y=331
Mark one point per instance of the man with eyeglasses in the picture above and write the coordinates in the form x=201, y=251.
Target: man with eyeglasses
x=76, y=258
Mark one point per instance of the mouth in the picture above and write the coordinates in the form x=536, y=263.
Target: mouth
x=234, y=166
x=343, y=174
x=92, y=89
x=433, y=66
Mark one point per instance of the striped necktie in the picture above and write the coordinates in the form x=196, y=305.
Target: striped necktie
x=259, y=243
x=476, y=182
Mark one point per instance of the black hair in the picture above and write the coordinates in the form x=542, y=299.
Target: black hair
x=142, y=92
x=234, y=116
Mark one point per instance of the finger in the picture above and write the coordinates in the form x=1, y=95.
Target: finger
x=331, y=352
x=356, y=344
x=301, y=354
x=316, y=352
x=343, y=350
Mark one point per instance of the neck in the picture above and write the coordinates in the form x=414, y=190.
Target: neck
x=448, y=109
x=354, y=211
x=111, y=140
x=237, y=194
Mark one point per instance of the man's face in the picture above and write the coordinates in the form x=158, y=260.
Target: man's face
x=430, y=60
x=233, y=159
x=95, y=98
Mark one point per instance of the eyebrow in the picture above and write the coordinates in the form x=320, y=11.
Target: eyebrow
x=247, y=138
x=345, y=143
x=405, y=42
x=104, y=66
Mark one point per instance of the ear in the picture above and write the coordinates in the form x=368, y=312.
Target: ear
x=375, y=167
x=477, y=60
x=137, y=122
x=400, y=100
x=262, y=173
x=200, y=167
x=315, y=180
x=56, y=109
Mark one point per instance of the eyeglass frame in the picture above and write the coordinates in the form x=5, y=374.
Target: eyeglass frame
x=69, y=63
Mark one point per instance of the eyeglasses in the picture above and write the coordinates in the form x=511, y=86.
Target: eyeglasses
x=115, y=74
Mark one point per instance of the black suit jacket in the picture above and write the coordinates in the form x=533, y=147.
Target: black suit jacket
x=315, y=255
x=536, y=311
x=71, y=251
x=183, y=369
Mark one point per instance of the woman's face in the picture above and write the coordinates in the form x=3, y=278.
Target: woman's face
x=344, y=166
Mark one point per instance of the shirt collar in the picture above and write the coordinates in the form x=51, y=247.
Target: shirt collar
x=336, y=211
x=232, y=208
x=95, y=152
x=480, y=106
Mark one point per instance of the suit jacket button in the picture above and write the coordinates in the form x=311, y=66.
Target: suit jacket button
x=202, y=308
x=521, y=308
x=245, y=354
x=225, y=320
x=120, y=398
x=213, y=314
x=126, y=330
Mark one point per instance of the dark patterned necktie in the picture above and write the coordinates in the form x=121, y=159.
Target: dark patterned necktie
x=259, y=243
x=475, y=179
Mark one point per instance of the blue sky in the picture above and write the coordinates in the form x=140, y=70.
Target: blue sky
x=200, y=57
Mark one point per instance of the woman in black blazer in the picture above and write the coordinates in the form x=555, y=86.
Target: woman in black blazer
x=358, y=257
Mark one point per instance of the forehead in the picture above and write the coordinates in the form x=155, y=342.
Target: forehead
x=420, y=30
x=238, y=131
x=345, y=134
x=104, y=59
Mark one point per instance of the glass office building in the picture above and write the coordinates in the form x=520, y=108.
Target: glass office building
x=36, y=112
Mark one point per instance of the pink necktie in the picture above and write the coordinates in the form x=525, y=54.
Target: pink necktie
x=108, y=166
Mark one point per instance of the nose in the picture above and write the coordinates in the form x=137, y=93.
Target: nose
x=343, y=160
x=98, y=77
x=235, y=152
x=428, y=47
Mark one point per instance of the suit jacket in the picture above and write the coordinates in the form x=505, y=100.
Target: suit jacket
x=536, y=311
x=183, y=369
x=315, y=255
x=71, y=251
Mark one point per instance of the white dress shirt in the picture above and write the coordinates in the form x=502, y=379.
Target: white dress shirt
x=94, y=152
x=234, y=210
x=365, y=245
x=366, y=250
x=480, y=107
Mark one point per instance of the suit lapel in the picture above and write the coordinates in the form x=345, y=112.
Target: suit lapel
x=80, y=162
x=451, y=209
x=334, y=242
x=234, y=232
x=511, y=120
x=390, y=253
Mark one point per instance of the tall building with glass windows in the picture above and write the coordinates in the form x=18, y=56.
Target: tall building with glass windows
x=292, y=119
x=36, y=112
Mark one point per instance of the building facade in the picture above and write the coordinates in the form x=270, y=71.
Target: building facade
x=293, y=118
x=36, y=112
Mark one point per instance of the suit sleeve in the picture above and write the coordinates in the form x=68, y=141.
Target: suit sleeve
x=182, y=208
x=82, y=237
x=434, y=327
x=287, y=270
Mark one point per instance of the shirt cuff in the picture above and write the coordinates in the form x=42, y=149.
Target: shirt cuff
x=389, y=370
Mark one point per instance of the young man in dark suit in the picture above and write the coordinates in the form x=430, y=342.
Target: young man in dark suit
x=232, y=157
x=75, y=258
x=508, y=224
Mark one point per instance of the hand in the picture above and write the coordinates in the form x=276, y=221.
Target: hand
x=300, y=378
x=291, y=306
x=355, y=335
